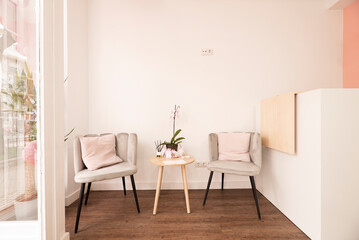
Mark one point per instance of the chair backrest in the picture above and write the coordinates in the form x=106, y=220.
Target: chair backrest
x=255, y=148
x=126, y=149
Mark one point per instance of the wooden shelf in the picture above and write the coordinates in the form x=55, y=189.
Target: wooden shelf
x=278, y=123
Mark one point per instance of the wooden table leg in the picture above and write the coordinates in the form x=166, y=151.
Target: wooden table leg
x=159, y=182
x=185, y=186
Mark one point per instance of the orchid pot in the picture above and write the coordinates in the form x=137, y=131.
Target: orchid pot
x=172, y=146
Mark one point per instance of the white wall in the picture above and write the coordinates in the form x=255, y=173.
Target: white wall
x=315, y=188
x=144, y=57
x=76, y=86
x=293, y=182
x=340, y=164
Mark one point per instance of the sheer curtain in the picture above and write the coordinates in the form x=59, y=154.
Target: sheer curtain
x=18, y=109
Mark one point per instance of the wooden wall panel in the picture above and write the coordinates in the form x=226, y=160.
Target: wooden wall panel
x=278, y=123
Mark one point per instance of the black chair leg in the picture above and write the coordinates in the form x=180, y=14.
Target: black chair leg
x=208, y=185
x=222, y=180
x=135, y=193
x=88, y=192
x=79, y=206
x=254, y=190
x=124, y=185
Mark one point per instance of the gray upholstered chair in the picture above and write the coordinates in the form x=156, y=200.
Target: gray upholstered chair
x=250, y=169
x=126, y=149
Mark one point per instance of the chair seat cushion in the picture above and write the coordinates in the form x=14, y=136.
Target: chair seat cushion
x=234, y=167
x=110, y=172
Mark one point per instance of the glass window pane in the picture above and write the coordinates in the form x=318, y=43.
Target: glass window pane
x=18, y=110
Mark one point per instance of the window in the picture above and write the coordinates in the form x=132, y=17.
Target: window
x=18, y=110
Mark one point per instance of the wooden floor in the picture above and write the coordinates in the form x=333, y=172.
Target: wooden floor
x=230, y=214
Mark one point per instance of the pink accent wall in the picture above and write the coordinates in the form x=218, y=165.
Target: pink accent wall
x=351, y=46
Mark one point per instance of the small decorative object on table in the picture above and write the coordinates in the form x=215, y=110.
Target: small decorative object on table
x=173, y=147
x=159, y=147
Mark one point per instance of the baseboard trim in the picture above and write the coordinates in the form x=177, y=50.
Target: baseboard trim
x=117, y=185
x=66, y=236
x=69, y=199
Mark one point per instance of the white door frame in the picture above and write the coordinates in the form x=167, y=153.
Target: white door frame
x=52, y=117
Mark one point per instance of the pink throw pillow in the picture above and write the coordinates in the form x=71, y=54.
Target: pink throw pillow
x=98, y=152
x=234, y=146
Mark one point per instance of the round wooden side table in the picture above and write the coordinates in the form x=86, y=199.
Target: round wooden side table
x=171, y=162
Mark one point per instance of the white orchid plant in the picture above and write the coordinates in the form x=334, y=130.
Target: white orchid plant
x=172, y=148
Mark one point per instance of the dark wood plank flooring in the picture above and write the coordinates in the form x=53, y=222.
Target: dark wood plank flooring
x=230, y=214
